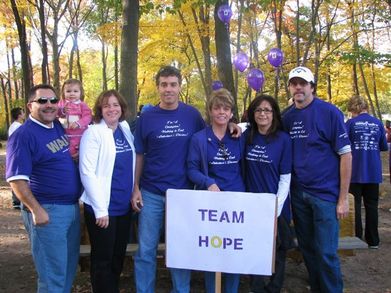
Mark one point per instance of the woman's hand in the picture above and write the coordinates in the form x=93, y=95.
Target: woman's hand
x=137, y=200
x=102, y=222
x=213, y=187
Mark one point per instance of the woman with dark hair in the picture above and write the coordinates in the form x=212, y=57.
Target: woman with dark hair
x=106, y=152
x=268, y=157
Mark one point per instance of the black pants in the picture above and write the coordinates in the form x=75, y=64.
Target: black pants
x=15, y=200
x=108, y=249
x=369, y=193
x=261, y=284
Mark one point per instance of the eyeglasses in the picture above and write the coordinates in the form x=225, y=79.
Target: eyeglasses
x=44, y=100
x=266, y=111
x=223, y=150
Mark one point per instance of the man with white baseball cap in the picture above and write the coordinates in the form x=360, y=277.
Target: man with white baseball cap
x=320, y=179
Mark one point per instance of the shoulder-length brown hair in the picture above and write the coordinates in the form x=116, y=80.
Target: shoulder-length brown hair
x=102, y=100
x=276, y=123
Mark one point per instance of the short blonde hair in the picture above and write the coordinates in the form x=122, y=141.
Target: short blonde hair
x=220, y=97
x=357, y=104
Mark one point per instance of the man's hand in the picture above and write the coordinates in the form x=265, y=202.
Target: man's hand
x=137, y=200
x=102, y=222
x=235, y=130
x=40, y=216
x=343, y=207
x=24, y=194
x=213, y=187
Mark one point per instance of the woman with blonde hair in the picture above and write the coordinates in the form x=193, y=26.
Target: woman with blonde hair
x=214, y=164
x=368, y=139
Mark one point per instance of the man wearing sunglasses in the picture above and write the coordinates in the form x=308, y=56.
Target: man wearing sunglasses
x=44, y=177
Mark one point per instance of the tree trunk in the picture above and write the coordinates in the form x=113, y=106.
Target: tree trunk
x=223, y=52
x=16, y=85
x=116, y=49
x=298, y=34
x=238, y=46
x=277, y=17
x=355, y=48
x=44, y=45
x=129, y=54
x=79, y=70
x=24, y=49
x=204, y=35
x=71, y=58
x=104, y=64
x=4, y=92
x=361, y=67
x=194, y=54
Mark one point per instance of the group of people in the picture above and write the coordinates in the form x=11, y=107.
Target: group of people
x=306, y=153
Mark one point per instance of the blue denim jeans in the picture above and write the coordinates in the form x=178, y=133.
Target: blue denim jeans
x=231, y=282
x=150, y=224
x=55, y=247
x=317, y=229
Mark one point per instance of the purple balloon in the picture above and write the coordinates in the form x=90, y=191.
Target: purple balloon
x=255, y=79
x=275, y=57
x=216, y=85
x=224, y=12
x=241, y=61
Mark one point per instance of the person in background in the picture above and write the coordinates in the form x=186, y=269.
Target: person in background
x=368, y=139
x=388, y=132
x=107, y=162
x=74, y=114
x=17, y=118
x=320, y=179
x=143, y=108
x=268, y=156
x=44, y=177
x=214, y=163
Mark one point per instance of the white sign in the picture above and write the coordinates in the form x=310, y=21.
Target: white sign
x=231, y=232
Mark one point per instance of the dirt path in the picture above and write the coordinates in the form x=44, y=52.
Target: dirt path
x=366, y=271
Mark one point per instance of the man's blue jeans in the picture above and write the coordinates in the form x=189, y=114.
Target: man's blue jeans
x=55, y=247
x=317, y=229
x=150, y=224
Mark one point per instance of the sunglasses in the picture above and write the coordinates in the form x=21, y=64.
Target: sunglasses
x=44, y=100
x=223, y=150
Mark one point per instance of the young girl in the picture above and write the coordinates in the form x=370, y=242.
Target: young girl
x=74, y=114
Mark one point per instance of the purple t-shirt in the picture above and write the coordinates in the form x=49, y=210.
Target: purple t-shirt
x=318, y=132
x=267, y=159
x=368, y=138
x=163, y=137
x=42, y=155
x=224, y=161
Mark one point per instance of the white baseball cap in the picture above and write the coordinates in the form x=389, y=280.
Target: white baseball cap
x=302, y=72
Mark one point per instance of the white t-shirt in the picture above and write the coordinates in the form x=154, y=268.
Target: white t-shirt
x=15, y=125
